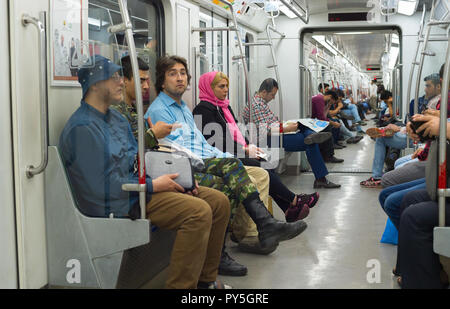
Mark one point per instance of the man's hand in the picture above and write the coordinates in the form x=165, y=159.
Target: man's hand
x=393, y=127
x=411, y=133
x=432, y=112
x=165, y=183
x=292, y=127
x=194, y=192
x=416, y=153
x=335, y=124
x=430, y=127
x=162, y=129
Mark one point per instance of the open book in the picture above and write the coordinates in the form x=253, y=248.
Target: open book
x=314, y=124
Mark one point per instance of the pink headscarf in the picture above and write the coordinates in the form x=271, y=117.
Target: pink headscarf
x=207, y=94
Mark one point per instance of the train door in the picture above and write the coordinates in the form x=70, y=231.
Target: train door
x=185, y=42
x=26, y=137
x=8, y=258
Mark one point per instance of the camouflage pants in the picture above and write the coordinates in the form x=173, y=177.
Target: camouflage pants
x=229, y=176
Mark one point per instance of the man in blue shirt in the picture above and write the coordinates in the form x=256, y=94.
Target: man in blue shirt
x=172, y=79
x=99, y=151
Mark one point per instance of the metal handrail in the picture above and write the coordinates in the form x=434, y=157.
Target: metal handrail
x=396, y=89
x=128, y=28
x=40, y=26
x=307, y=95
x=240, y=45
x=442, y=181
x=305, y=18
x=277, y=73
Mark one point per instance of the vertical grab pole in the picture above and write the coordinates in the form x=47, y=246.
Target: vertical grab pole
x=422, y=58
x=277, y=74
x=139, y=103
x=442, y=180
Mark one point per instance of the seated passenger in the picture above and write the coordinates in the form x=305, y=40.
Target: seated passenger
x=321, y=104
x=171, y=82
x=333, y=114
x=417, y=264
x=226, y=175
x=98, y=150
x=213, y=109
x=431, y=97
x=349, y=109
x=392, y=136
x=304, y=140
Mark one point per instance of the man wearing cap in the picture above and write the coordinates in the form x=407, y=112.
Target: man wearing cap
x=99, y=150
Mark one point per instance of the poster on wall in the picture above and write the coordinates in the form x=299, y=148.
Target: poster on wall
x=69, y=46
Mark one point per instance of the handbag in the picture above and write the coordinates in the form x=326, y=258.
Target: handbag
x=158, y=163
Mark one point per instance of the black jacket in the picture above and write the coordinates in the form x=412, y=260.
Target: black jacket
x=212, y=114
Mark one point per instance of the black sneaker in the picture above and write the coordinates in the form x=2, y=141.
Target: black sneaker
x=317, y=138
x=325, y=184
x=333, y=159
x=229, y=267
x=251, y=245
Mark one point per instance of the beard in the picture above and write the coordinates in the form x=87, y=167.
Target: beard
x=175, y=93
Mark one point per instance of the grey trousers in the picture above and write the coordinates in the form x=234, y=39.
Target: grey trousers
x=408, y=172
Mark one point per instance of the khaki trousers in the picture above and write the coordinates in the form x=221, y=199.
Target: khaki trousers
x=373, y=102
x=200, y=223
x=242, y=225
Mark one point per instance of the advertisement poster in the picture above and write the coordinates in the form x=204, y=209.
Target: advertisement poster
x=69, y=40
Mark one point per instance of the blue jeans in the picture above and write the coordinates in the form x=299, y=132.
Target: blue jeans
x=398, y=141
x=295, y=142
x=391, y=197
x=403, y=160
x=352, y=110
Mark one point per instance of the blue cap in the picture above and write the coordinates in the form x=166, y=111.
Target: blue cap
x=98, y=69
x=341, y=87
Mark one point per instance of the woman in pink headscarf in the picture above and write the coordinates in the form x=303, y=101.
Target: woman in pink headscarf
x=218, y=117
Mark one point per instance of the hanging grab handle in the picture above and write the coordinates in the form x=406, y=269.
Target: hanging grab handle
x=40, y=26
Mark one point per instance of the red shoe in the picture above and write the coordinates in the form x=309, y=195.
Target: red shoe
x=371, y=183
x=297, y=212
x=309, y=199
x=378, y=132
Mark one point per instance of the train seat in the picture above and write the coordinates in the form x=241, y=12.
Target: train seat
x=97, y=252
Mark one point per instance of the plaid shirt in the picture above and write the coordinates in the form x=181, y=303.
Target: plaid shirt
x=262, y=116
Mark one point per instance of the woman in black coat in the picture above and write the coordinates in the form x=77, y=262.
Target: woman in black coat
x=218, y=124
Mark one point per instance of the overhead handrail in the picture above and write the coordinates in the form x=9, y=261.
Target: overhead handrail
x=42, y=46
x=304, y=15
x=128, y=28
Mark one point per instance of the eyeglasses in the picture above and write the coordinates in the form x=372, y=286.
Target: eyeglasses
x=116, y=77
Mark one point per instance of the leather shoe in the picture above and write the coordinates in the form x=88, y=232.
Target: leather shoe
x=229, y=267
x=251, y=245
x=317, y=138
x=333, y=159
x=325, y=184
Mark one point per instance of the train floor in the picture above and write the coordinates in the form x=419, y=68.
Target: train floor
x=341, y=248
